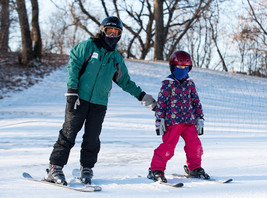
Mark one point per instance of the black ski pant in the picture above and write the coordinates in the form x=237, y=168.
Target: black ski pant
x=92, y=116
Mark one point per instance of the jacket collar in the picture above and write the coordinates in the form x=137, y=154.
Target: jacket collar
x=172, y=78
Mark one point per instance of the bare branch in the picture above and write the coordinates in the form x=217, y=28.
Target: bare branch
x=190, y=22
x=105, y=8
x=255, y=18
x=78, y=22
x=87, y=13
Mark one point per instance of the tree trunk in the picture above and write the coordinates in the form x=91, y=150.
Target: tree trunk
x=27, y=54
x=214, y=38
x=159, y=33
x=4, y=23
x=36, y=34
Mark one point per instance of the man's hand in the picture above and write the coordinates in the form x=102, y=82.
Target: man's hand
x=149, y=102
x=72, y=99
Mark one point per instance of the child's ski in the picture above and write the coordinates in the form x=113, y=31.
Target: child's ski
x=211, y=179
x=84, y=188
x=177, y=185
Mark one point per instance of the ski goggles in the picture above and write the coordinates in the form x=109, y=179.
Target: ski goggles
x=182, y=66
x=111, y=31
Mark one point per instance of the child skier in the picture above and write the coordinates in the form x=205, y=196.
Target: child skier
x=178, y=113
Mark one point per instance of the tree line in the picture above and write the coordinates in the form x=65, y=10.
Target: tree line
x=153, y=30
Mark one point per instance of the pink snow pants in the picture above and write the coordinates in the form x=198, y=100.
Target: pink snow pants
x=165, y=151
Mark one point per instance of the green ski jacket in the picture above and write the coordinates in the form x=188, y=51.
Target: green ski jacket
x=103, y=67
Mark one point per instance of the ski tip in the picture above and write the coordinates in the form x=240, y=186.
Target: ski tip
x=178, y=185
x=98, y=188
x=91, y=188
x=26, y=175
x=228, y=181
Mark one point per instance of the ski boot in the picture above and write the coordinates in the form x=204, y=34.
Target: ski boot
x=86, y=175
x=55, y=175
x=196, y=173
x=156, y=175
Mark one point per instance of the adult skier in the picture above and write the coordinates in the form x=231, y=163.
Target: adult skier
x=92, y=67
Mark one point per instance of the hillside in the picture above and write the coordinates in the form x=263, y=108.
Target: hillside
x=234, y=140
x=14, y=77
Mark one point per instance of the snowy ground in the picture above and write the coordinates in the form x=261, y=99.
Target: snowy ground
x=234, y=142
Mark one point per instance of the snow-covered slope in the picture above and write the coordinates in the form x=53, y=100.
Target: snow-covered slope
x=234, y=142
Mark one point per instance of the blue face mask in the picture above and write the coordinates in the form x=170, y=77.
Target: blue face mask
x=180, y=73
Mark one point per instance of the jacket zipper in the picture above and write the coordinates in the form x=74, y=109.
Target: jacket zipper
x=182, y=106
x=183, y=102
x=97, y=75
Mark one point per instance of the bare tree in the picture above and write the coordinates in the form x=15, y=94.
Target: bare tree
x=159, y=26
x=137, y=16
x=199, y=44
x=31, y=41
x=214, y=36
x=77, y=17
x=36, y=34
x=159, y=30
x=145, y=43
x=4, y=24
x=251, y=38
x=180, y=29
x=254, y=16
x=27, y=53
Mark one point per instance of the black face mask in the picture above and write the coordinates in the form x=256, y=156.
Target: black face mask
x=109, y=43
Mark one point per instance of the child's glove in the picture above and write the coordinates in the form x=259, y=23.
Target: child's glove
x=200, y=126
x=160, y=126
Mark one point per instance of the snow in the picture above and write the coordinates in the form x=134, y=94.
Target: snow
x=234, y=140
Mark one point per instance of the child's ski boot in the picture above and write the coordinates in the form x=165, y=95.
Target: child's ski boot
x=156, y=175
x=196, y=173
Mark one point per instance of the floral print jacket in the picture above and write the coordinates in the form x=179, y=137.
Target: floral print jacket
x=178, y=102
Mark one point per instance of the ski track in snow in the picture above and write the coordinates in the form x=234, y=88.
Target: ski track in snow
x=234, y=141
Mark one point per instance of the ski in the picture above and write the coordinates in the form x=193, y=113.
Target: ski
x=84, y=188
x=177, y=185
x=211, y=179
x=76, y=173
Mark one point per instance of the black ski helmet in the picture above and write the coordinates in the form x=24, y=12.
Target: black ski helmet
x=111, y=21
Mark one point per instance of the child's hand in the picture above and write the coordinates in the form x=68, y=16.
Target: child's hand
x=200, y=126
x=160, y=126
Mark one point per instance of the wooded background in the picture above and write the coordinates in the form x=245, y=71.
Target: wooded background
x=153, y=29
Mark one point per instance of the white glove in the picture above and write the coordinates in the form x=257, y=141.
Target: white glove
x=149, y=102
x=200, y=126
x=160, y=126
